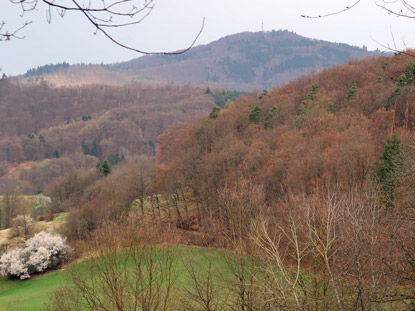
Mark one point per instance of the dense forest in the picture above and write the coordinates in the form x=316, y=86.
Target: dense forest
x=309, y=187
x=46, y=69
x=67, y=126
x=317, y=177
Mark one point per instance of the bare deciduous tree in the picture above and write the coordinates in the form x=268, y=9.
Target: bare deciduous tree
x=21, y=225
x=322, y=225
x=202, y=290
x=284, y=252
x=139, y=277
x=11, y=204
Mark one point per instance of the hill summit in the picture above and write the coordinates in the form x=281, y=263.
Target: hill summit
x=244, y=61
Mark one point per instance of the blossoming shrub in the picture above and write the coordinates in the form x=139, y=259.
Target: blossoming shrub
x=44, y=251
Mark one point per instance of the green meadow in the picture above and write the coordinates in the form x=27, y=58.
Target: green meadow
x=32, y=294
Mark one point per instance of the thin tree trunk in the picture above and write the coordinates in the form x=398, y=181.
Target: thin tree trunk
x=405, y=122
x=152, y=206
x=176, y=206
x=199, y=216
x=186, y=210
x=158, y=205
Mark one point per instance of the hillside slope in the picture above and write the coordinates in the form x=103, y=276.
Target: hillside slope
x=246, y=60
x=243, y=61
x=55, y=130
x=321, y=129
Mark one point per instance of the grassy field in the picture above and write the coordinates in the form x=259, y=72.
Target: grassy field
x=32, y=294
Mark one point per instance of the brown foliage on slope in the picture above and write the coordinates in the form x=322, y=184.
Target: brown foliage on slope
x=320, y=129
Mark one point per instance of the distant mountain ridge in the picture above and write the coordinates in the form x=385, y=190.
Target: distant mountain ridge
x=246, y=60
x=243, y=61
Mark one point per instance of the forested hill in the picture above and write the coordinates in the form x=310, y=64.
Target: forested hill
x=321, y=129
x=53, y=130
x=243, y=61
x=246, y=60
x=319, y=175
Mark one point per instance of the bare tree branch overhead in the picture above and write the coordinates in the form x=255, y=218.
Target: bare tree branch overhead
x=394, y=48
x=7, y=35
x=103, y=15
x=399, y=8
x=347, y=8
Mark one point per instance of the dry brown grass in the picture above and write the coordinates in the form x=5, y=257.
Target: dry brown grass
x=8, y=239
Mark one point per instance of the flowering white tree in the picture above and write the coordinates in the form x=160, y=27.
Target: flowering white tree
x=11, y=264
x=44, y=251
x=42, y=204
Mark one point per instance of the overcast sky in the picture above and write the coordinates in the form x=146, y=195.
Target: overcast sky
x=173, y=24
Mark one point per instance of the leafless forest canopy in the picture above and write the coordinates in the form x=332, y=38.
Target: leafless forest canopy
x=310, y=185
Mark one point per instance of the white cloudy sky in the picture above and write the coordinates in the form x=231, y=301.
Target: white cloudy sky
x=174, y=23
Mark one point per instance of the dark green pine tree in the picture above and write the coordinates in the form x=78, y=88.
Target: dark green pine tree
x=387, y=169
x=352, y=92
x=215, y=113
x=255, y=114
x=85, y=148
x=271, y=115
x=104, y=167
x=95, y=149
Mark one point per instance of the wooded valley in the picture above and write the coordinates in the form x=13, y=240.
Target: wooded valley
x=304, y=192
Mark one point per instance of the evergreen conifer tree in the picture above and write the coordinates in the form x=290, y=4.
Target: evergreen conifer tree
x=387, y=169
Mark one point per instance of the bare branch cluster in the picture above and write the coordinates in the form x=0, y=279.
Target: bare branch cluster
x=103, y=15
x=347, y=8
x=6, y=35
x=399, y=8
